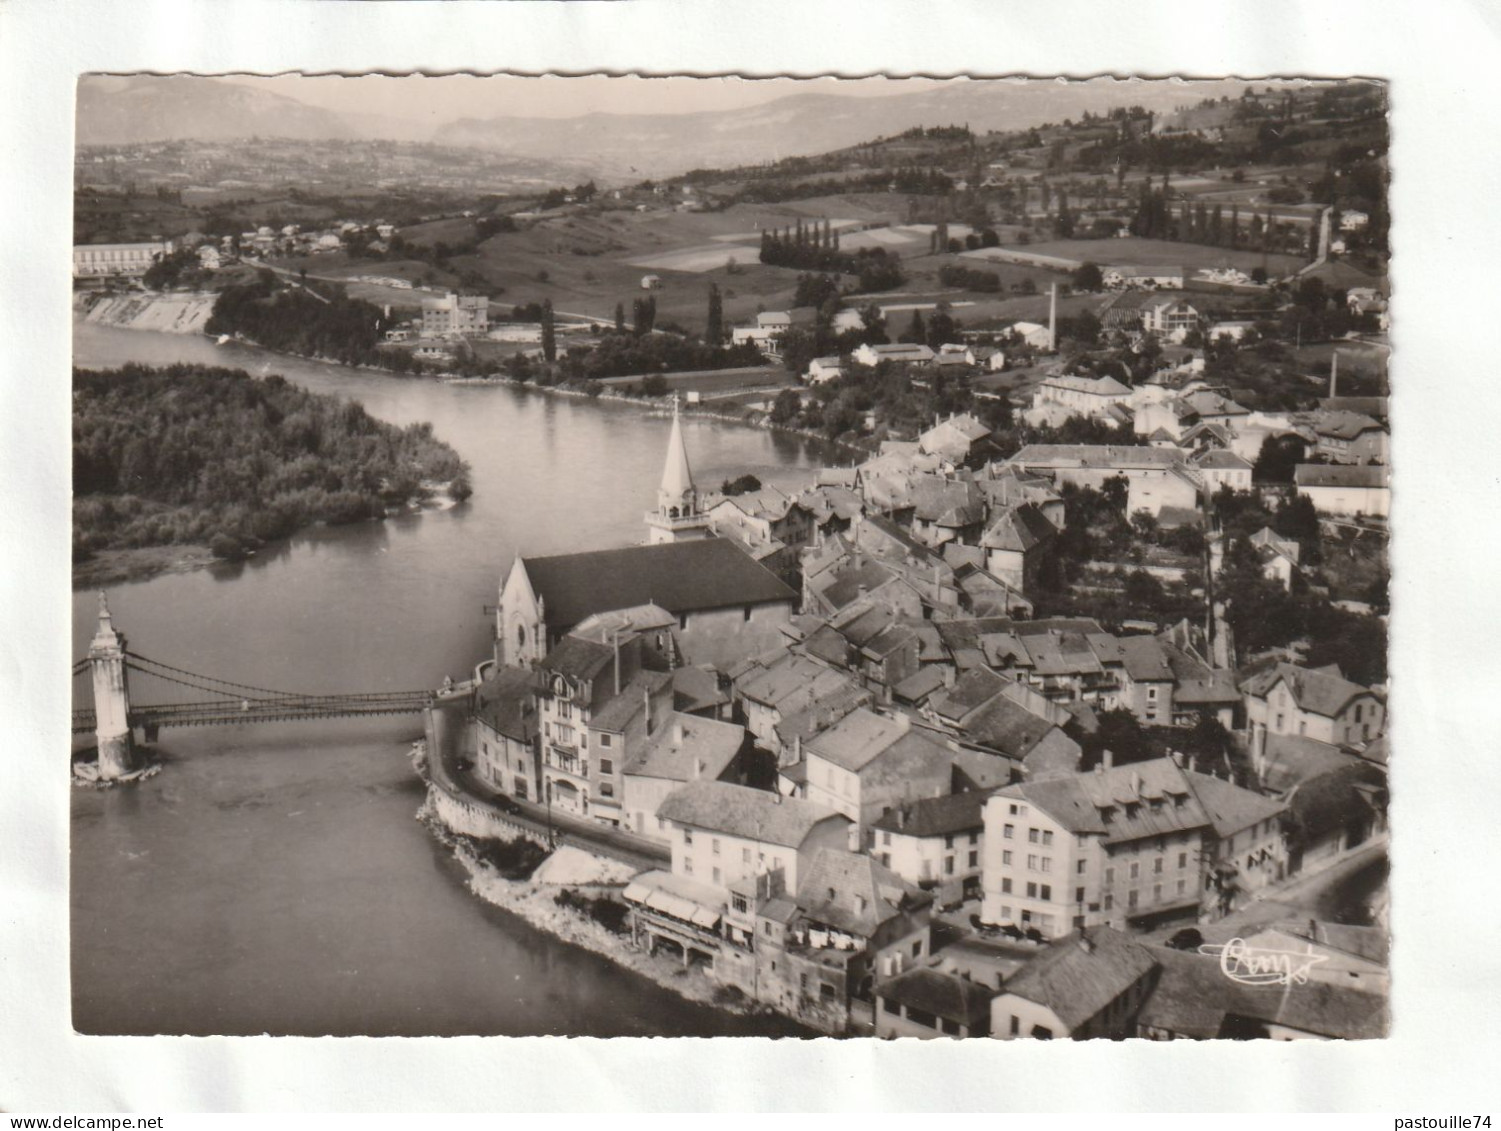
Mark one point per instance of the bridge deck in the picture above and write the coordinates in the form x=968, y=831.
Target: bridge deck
x=223, y=712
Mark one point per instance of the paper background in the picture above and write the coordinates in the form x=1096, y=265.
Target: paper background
x=1446, y=97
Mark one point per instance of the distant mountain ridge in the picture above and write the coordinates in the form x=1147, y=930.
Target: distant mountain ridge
x=127, y=109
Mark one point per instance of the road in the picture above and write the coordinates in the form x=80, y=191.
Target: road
x=449, y=720
x=1326, y=895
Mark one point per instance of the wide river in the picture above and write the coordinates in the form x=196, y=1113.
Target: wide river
x=272, y=878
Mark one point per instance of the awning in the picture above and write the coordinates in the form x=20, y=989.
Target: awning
x=651, y=891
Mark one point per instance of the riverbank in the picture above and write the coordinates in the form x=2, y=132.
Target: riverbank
x=159, y=312
x=536, y=904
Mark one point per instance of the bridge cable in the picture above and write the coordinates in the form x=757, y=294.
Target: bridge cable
x=278, y=697
x=210, y=678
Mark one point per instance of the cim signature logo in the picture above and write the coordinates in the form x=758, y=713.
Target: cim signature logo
x=1255, y=966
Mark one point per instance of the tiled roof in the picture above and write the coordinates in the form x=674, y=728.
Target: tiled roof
x=1078, y=983
x=1231, y=808
x=1096, y=455
x=1006, y=726
x=865, y=892
x=943, y=995
x=937, y=816
x=738, y=810
x=615, y=715
x=688, y=748
x=1332, y=800
x=1322, y=693
x=1145, y=659
x=708, y=573
x=578, y=658
x=1341, y=475
x=1019, y=528
x=1288, y=759
x=504, y=702
x=973, y=689
x=1221, y=460
x=1195, y=999
x=1345, y=425
x=791, y=683
x=857, y=739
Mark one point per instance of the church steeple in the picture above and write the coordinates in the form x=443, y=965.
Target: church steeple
x=677, y=489
x=678, y=516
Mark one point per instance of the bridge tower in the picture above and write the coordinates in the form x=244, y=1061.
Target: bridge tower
x=111, y=698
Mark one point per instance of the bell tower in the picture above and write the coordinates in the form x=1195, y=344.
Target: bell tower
x=679, y=516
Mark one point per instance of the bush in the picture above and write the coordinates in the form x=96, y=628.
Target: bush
x=606, y=912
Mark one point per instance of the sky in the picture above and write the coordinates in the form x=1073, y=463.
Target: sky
x=446, y=97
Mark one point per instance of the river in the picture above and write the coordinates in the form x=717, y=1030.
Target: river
x=272, y=878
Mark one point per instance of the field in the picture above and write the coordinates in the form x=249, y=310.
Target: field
x=1164, y=253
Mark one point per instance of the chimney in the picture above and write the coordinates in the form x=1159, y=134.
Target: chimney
x=1053, y=319
x=1086, y=944
x=646, y=697
x=699, y=766
x=1136, y=783
x=677, y=734
x=1107, y=760
x=1334, y=373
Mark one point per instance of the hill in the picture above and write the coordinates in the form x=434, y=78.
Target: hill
x=115, y=110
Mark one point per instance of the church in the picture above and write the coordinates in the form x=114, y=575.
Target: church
x=726, y=603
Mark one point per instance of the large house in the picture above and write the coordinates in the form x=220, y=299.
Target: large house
x=935, y=843
x=687, y=749
x=106, y=260
x=1311, y=703
x=1342, y=489
x=902, y=351
x=1135, y=845
x=1156, y=477
x=866, y=764
x=455, y=316
x=1091, y=984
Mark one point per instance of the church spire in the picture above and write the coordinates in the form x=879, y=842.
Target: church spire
x=677, y=488
x=678, y=516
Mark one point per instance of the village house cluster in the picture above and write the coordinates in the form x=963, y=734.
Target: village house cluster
x=865, y=766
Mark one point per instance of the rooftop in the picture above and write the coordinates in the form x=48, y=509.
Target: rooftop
x=688, y=748
x=739, y=810
x=708, y=573
x=1079, y=976
x=942, y=995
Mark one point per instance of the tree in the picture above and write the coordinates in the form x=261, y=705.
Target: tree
x=916, y=331
x=714, y=334
x=1087, y=277
x=620, y=317
x=1278, y=458
x=785, y=408
x=549, y=335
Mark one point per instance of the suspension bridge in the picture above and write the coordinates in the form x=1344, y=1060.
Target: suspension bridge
x=114, y=718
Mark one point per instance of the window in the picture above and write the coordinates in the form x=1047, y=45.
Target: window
x=917, y=949
x=604, y=740
x=739, y=903
x=1010, y=830
x=1031, y=891
x=1182, y=886
x=1016, y=1025
x=1131, y=898
x=747, y=613
x=948, y=866
x=974, y=859
x=1151, y=694
x=1109, y=901
x=885, y=859
x=948, y=841
x=1135, y=869
x=1047, y=863
x=687, y=836
x=1157, y=866
x=687, y=866
x=921, y=1017
x=1109, y=877
x=1079, y=867
x=1047, y=892
x=1005, y=856
x=885, y=840
x=890, y=1006
x=1047, y=838
x=950, y=1027
x=606, y=766
x=715, y=846
x=1031, y=836
x=1078, y=895
x=974, y=838
x=1183, y=860
x=606, y=789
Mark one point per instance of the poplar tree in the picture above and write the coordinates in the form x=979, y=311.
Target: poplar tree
x=620, y=317
x=549, y=338
x=714, y=334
